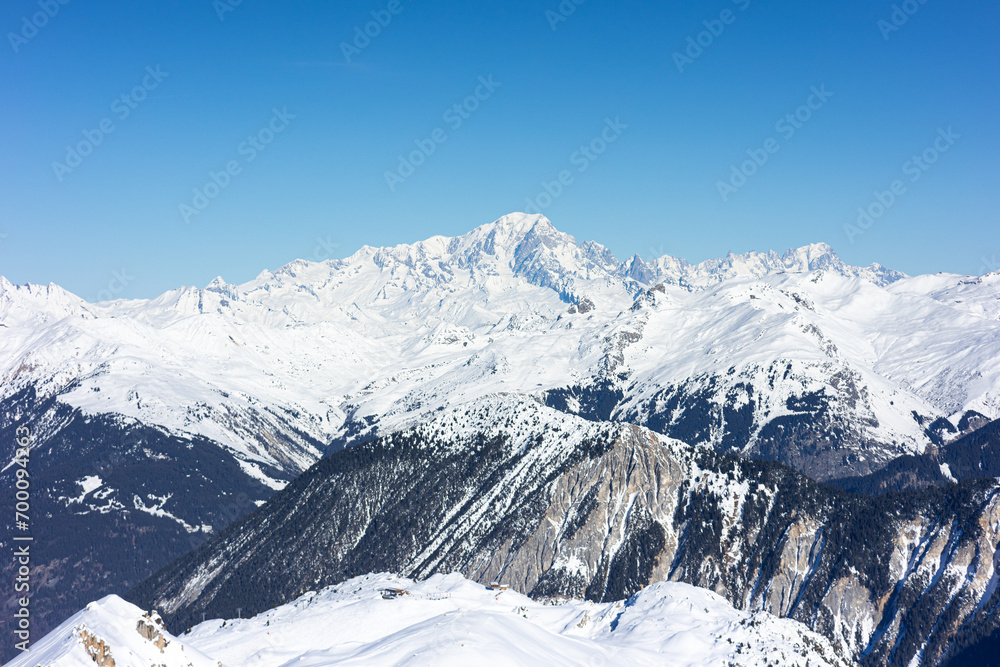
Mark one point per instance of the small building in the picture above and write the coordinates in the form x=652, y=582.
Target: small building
x=497, y=586
x=393, y=593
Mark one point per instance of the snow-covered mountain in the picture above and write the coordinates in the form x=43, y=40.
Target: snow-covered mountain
x=555, y=506
x=448, y=620
x=163, y=420
x=279, y=367
x=112, y=633
x=444, y=620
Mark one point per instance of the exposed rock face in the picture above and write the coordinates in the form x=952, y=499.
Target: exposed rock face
x=96, y=648
x=151, y=627
x=189, y=408
x=828, y=431
x=555, y=506
x=110, y=632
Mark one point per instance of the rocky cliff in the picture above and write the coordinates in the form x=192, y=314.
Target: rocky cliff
x=506, y=489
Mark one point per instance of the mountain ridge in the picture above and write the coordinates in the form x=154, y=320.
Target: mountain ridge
x=446, y=619
x=792, y=358
x=522, y=237
x=511, y=491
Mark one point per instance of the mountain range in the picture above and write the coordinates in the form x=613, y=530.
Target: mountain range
x=159, y=422
x=556, y=506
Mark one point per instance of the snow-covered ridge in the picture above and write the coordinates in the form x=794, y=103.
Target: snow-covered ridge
x=518, y=244
x=444, y=620
x=448, y=620
x=553, y=505
x=813, y=257
x=277, y=367
x=109, y=632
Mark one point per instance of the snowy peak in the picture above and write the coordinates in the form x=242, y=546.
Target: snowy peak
x=491, y=258
x=114, y=632
x=820, y=256
x=810, y=257
x=385, y=620
x=521, y=245
x=220, y=286
x=507, y=234
x=813, y=257
x=449, y=620
x=314, y=347
x=38, y=303
x=503, y=241
x=530, y=248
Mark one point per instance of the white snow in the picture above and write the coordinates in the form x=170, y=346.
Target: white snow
x=448, y=620
x=113, y=623
x=153, y=505
x=87, y=484
x=273, y=368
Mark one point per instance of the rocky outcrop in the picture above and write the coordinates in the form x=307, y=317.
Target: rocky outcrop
x=96, y=648
x=151, y=628
x=556, y=507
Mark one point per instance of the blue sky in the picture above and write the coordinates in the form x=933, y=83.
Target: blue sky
x=210, y=85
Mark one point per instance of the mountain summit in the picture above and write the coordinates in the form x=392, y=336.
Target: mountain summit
x=176, y=415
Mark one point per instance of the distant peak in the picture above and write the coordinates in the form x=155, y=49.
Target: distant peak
x=811, y=250
x=811, y=257
x=528, y=245
x=523, y=221
x=515, y=226
x=514, y=234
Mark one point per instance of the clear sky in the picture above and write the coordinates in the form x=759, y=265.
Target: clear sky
x=309, y=115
